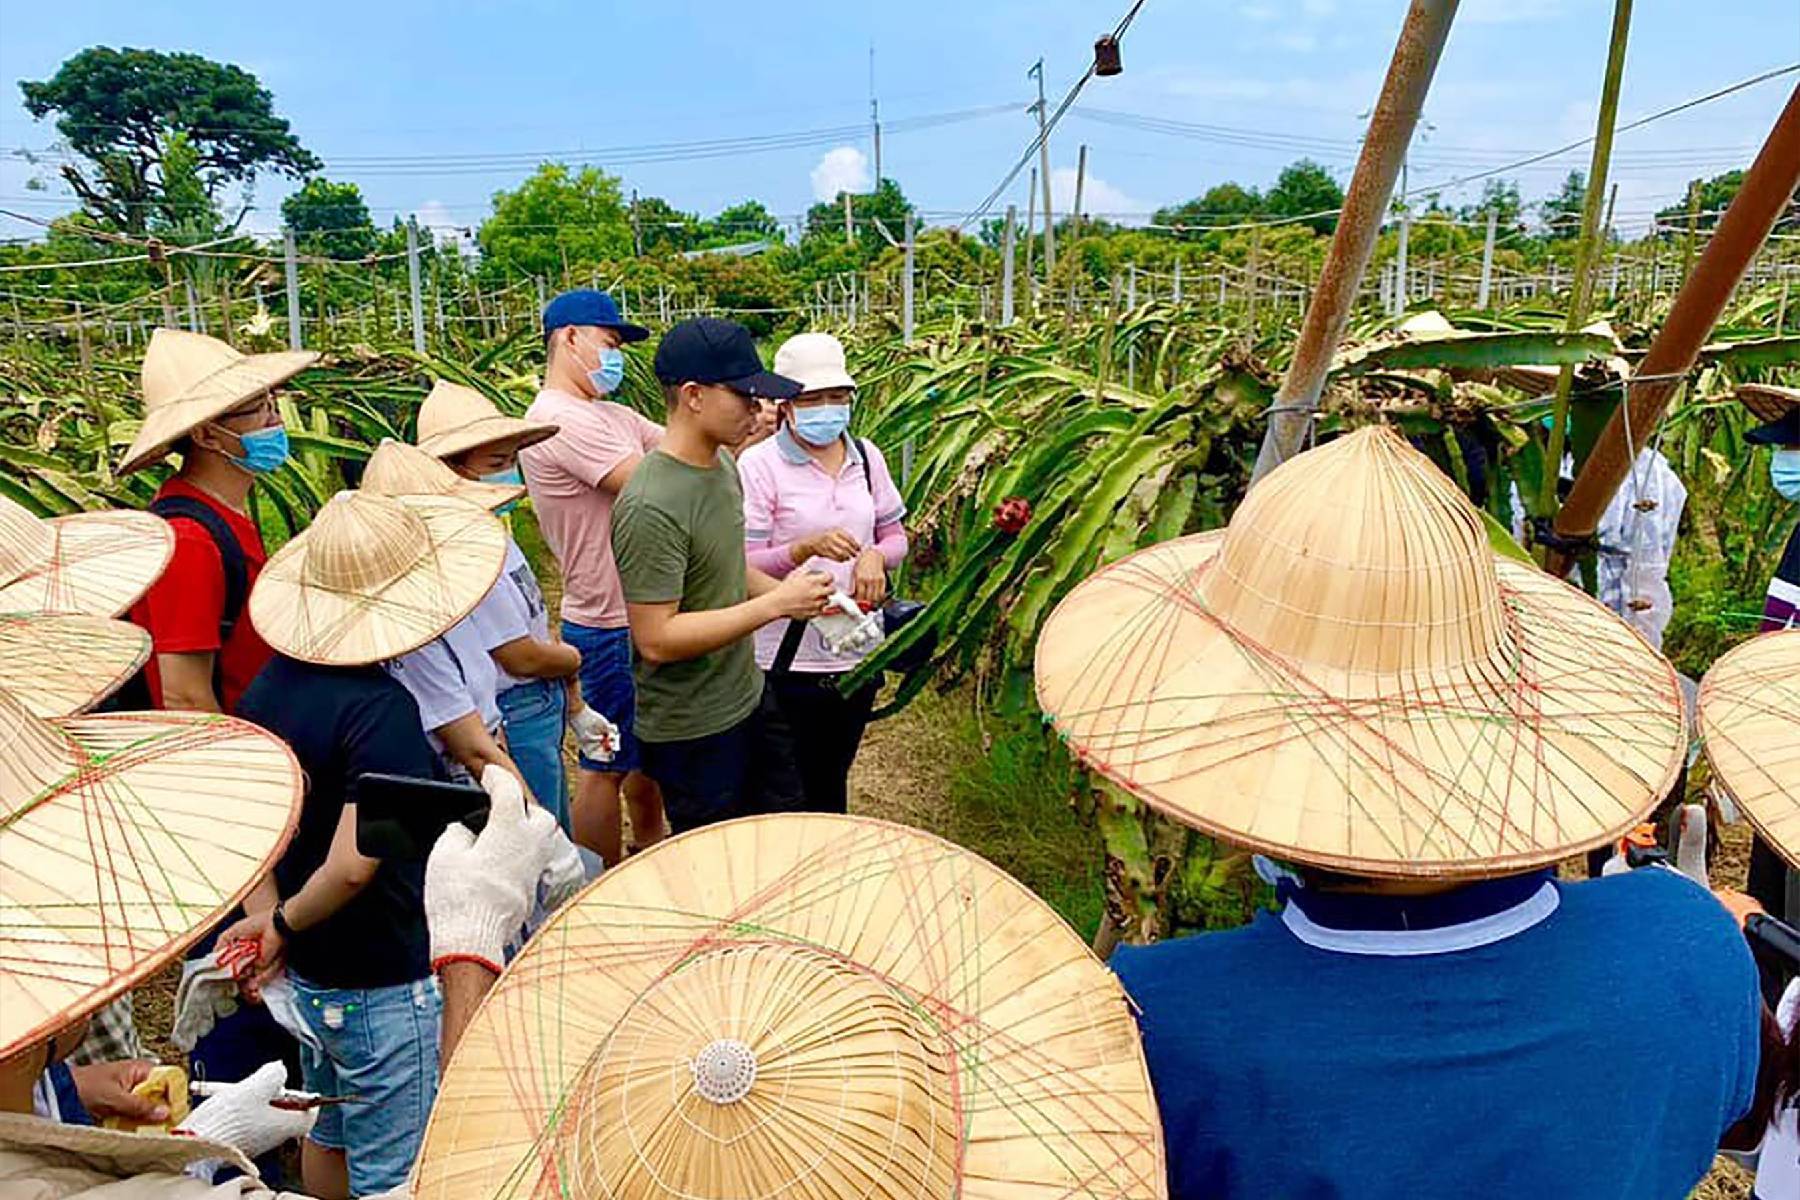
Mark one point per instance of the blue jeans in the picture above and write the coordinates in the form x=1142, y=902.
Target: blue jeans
x=608, y=688
x=534, y=736
x=381, y=1046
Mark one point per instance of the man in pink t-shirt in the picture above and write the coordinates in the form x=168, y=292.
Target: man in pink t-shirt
x=574, y=478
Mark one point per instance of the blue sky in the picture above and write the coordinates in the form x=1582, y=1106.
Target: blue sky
x=384, y=91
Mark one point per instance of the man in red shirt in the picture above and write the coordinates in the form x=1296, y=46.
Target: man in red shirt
x=216, y=409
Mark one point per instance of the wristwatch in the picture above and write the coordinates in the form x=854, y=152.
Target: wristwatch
x=278, y=919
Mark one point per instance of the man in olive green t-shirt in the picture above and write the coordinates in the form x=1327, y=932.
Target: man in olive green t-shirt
x=712, y=736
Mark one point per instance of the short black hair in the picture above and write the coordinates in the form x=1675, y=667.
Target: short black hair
x=671, y=393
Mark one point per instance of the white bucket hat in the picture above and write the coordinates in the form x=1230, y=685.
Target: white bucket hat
x=815, y=361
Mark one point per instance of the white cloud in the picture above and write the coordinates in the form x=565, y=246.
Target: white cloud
x=1098, y=197
x=842, y=169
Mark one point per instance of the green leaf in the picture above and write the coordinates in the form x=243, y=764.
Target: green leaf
x=1477, y=351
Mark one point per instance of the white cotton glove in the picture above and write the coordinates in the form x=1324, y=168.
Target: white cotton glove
x=1689, y=856
x=596, y=737
x=563, y=873
x=240, y=1115
x=478, y=890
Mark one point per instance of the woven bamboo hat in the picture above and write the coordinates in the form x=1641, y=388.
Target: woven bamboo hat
x=122, y=839
x=98, y=563
x=61, y=664
x=806, y=1007
x=397, y=469
x=376, y=576
x=455, y=419
x=190, y=379
x=1768, y=402
x=1348, y=676
x=1750, y=720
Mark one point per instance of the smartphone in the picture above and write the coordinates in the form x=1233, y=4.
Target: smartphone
x=400, y=817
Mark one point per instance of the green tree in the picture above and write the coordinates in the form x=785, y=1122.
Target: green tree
x=556, y=220
x=825, y=220
x=330, y=218
x=746, y=222
x=1716, y=194
x=117, y=108
x=1305, y=187
x=1221, y=204
x=1561, y=213
x=1500, y=197
x=664, y=229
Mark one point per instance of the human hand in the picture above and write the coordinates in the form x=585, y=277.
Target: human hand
x=1740, y=906
x=241, y=1116
x=563, y=873
x=478, y=890
x=595, y=736
x=868, y=582
x=802, y=595
x=106, y=1091
x=835, y=544
x=253, y=950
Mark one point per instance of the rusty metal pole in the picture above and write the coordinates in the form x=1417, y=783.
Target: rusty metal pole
x=1740, y=233
x=1409, y=76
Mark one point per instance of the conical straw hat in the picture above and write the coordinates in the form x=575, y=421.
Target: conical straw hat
x=1349, y=677
x=1750, y=720
x=98, y=563
x=803, y=1007
x=455, y=418
x=376, y=576
x=397, y=469
x=190, y=379
x=123, y=838
x=60, y=664
x=1768, y=402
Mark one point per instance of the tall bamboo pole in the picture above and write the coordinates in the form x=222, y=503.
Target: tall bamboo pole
x=1583, y=292
x=1415, y=61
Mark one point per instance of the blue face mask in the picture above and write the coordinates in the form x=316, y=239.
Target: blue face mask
x=823, y=424
x=611, y=372
x=264, y=449
x=1784, y=473
x=507, y=478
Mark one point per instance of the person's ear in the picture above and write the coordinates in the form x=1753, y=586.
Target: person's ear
x=209, y=437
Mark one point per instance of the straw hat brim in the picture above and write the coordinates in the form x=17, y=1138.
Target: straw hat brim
x=1750, y=722
x=1466, y=773
x=101, y=563
x=486, y=432
x=164, y=823
x=1768, y=402
x=61, y=664
x=818, y=942
x=210, y=398
x=461, y=561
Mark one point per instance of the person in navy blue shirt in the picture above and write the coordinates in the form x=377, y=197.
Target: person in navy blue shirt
x=1349, y=680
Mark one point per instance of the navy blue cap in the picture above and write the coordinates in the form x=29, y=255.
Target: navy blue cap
x=1785, y=432
x=585, y=306
x=712, y=350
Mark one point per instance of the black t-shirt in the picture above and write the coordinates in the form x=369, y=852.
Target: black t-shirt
x=342, y=722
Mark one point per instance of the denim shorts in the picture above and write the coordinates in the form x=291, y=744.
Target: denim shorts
x=381, y=1046
x=607, y=687
x=534, y=738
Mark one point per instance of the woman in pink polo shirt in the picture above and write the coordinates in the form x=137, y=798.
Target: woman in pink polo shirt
x=816, y=497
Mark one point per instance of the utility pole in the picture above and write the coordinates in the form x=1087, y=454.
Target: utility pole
x=1044, y=172
x=412, y=284
x=1080, y=182
x=1487, y=261
x=292, y=270
x=1030, y=225
x=1006, y=270
x=849, y=223
x=1402, y=292
x=875, y=116
x=637, y=232
x=906, y=333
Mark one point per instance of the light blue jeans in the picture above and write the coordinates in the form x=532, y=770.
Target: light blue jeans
x=381, y=1046
x=534, y=737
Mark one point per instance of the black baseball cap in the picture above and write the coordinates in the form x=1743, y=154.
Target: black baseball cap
x=713, y=350
x=1782, y=432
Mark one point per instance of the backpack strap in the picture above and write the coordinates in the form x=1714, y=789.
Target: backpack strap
x=231, y=554
x=868, y=477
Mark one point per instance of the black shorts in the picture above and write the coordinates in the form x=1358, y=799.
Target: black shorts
x=737, y=772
